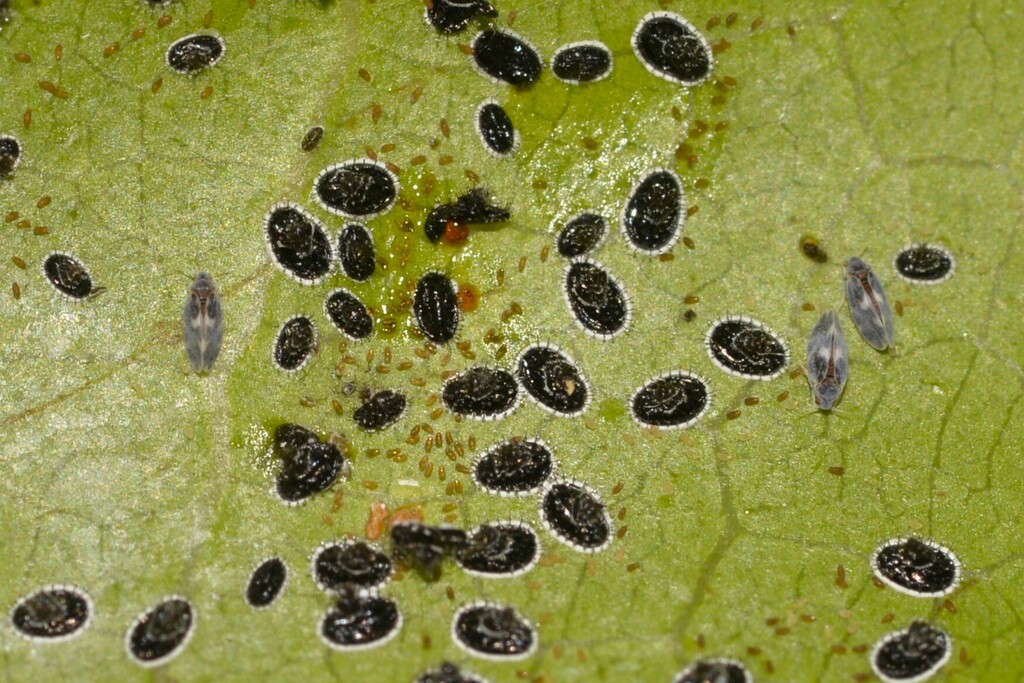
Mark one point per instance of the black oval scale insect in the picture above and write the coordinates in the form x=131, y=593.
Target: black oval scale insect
x=10, y=155
x=161, y=633
x=356, y=252
x=652, y=219
x=295, y=343
x=493, y=631
x=452, y=16
x=360, y=620
x=714, y=670
x=360, y=188
x=298, y=243
x=581, y=235
x=552, y=380
x=575, y=516
x=912, y=654
x=52, y=614
x=672, y=400
x=481, y=393
x=350, y=562
x=583, y=62
x=924, y=264
x=670, y=47
x=514, y=467
x=501, y=549
x=746, y=348
x=68, y=275
x=348, y=314
x=495, y=128
x=448, y=673
x=311, y=140
x=193, y=53
x=504, y=56
x=436, y=307
x=596, y=299
x=380, y=410
x=308, y=466
x=915, y=567
x=266, y=582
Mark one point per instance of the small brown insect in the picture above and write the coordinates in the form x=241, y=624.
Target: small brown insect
x=312, y=138
x=813, y=250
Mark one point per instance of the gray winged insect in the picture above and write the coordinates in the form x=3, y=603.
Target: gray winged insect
x=203, y=321
x=828, y=362
x=868, y=306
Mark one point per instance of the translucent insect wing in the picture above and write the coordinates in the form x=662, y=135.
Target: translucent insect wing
x=827, y=361
x=869, y=307
x=203, y=322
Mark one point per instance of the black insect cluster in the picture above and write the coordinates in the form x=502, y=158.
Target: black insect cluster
x=354, y=572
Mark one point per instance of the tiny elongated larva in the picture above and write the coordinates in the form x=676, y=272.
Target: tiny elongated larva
x=203, y=321
x=869, y=307
x=828, y=361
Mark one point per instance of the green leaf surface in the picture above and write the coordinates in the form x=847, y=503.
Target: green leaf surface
x=863, y=125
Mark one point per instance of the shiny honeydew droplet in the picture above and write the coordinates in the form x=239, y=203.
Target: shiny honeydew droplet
x=298, y=243
x=596, y=299
x=581, y=235
x=161, y=633
x=514, y=467
x=495, y=128
x=583, y=62
x=652, y=219
x=553, y=380
x=381, y=410
x=576, y=516
x=504, y=56
x=295, y=343
x=68, y=275
x=746, y=348
x=481, y=392
x=436, y=307
x=493, y=631
x=670, y=47
x=913, y=654
x=193, y=53
x=266, y=582
x=348, y=314
x=350, y=562
x=360, y=188
x=672, y=400
x=52, y=614
x=356, y=252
